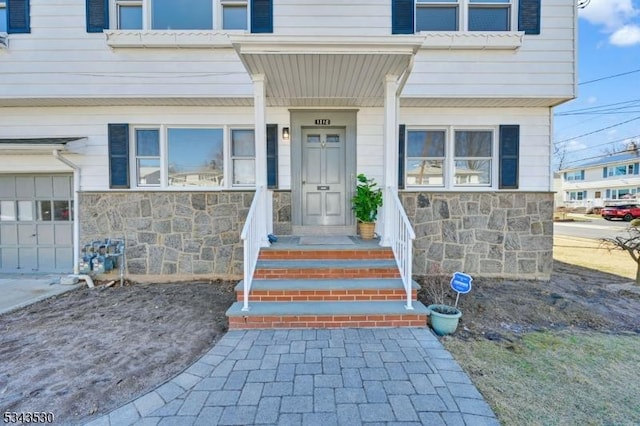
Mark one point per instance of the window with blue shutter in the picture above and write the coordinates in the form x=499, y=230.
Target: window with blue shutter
x=529, y=16
x=581, y=174
x=118, y=156
x=402, y=16
x=604, y=172
x=608, y=194
x=509, y=156
x=18, y=17
x=272, y=156
x=261, y=16
x=97, y=15
x=635, y=168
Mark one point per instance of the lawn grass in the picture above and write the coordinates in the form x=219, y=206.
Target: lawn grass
x=553, y=378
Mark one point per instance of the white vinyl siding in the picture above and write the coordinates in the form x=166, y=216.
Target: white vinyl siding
x=542, y=67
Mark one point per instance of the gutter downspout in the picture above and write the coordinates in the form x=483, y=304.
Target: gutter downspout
x=76, y=218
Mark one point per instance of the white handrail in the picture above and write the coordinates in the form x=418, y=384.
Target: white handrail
x=401, y=236
x=253, y=234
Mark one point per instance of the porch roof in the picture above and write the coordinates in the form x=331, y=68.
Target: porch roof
x=306, y=71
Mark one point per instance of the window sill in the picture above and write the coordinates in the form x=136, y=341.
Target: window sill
x=160, y=39
x=472, y=40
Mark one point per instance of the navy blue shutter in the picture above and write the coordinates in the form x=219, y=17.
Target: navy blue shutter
x=581, y=174
x=272, y=155
x=608, y=196
x=97, y=15
x=529, y=16
x=402, y=16
x=261, y=16
x=401, y=155
x=118, y=156
x=18, y=17
x=604, y=172
x=635, y=168
x=508, y=157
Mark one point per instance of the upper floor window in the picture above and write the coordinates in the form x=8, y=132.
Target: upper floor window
x=3, y=16
x=183, y=15
x=576, y=175
x=466, y=15
x=622, y=170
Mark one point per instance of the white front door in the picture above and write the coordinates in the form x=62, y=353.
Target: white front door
x=324, y=179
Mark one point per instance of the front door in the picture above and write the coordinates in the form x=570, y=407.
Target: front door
x=323, y=176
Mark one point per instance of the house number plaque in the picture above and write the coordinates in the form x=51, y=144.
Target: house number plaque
x=322, y=122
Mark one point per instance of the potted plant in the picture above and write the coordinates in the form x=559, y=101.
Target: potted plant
x=365, y=205
x=443, y=317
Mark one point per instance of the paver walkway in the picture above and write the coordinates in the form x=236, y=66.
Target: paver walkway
x=315, y=377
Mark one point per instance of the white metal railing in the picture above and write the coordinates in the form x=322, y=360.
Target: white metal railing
x=254, y=236
x=401, y=236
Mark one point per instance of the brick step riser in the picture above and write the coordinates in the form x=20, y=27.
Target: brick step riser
x=328, y=295
x=327, y=321
x=320, y=273
x=325, y=254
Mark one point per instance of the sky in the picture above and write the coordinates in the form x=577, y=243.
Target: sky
x=590, y=126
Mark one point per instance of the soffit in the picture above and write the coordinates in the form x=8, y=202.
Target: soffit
x=301, y=71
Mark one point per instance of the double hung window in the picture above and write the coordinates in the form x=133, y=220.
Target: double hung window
x=450, y=158
x=193, y=157
x=463, y=15
x=182, y=15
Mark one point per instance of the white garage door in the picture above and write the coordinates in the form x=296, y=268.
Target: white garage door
x=36, y=223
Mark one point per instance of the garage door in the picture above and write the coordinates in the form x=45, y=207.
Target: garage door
x=36, y=228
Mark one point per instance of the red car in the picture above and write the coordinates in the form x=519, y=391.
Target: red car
x=624, y=211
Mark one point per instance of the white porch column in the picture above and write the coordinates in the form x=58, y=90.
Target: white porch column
x=390, y=150
x=260, y=132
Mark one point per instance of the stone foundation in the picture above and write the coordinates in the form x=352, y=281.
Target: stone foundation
x=173, y=235
x=282, y=213
x=506, y=235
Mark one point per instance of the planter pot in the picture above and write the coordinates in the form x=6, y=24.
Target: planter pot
x=443, y=319
x=366, y=230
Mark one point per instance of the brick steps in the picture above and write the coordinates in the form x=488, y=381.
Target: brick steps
x=327, y=290
x=326, y=315
x=326, y=268
x=302, y=286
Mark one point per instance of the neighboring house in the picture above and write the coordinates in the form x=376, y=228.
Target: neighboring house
x=158, y=126
x=612, y=179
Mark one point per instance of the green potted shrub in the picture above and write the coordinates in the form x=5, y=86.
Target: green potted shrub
x=366, y=201
x=443, y=317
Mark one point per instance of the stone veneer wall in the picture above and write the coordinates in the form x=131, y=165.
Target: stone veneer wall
x=176, y=235
x=282, y=213
x=506, y=234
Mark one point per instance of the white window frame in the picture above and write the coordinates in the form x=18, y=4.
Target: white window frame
x=231, y=157
x=616, y=170
x=463, y=7
x=163, y=130
x=449, y=160
x=445, y=168
x=218, y=5
x=573, y=176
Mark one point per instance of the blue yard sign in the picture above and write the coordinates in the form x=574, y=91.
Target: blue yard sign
x=461, y=283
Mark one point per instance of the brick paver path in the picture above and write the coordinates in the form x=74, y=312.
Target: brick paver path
x=315, y=377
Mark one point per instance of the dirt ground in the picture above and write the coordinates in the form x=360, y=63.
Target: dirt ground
x=89, y=351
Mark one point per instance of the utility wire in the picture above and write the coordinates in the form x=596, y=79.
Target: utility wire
x=589, y=148
x=599, y=130
x=608, y=77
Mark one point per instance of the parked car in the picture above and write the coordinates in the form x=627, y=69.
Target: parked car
x=623, y=211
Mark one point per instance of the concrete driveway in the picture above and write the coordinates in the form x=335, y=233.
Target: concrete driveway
x=20, y=290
